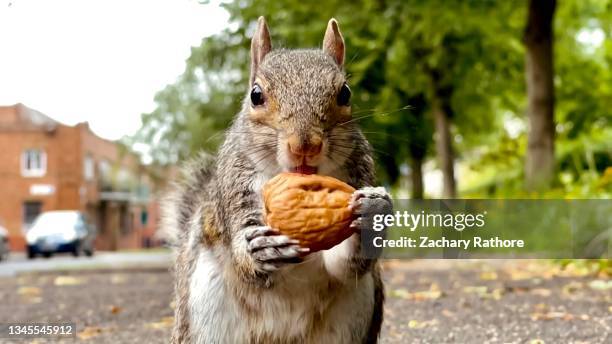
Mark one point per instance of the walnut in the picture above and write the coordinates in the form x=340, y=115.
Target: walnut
x=310, y=208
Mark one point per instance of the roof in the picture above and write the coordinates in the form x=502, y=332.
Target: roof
x=21, y=117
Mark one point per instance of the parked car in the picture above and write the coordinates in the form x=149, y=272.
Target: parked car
x=4, y=244
x=60, y=231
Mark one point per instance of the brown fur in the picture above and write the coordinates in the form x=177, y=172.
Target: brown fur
x=219, y=198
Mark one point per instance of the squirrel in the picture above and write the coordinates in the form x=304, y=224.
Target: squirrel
x=240, y=281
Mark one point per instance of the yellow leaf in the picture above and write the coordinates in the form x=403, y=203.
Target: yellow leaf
x=415, y=324
x=30, y=294
x=475, y=289
x=400, y=293
x=89, y=332
x=165, y=322
x=29, y=291
x=426, y=295
x=416, y=296
x=488, y=276
x=67, y=280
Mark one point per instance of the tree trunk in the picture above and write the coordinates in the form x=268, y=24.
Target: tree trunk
x=416, y=175
x=539, y=162
x=444, y=147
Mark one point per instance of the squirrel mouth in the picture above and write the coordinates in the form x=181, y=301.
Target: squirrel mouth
x=304, y=169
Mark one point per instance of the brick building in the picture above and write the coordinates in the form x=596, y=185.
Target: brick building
x=45, y=165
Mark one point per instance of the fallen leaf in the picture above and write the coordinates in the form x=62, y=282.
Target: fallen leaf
x=119, y=278
x=29, y=291
x=576, y=269
x=67, y=280
x=475, y=289
x=483, y=292
x=416, y=296
x=165, y=322
x=541, y=292
x=551, y=316
x=448, y=313
x=426, y=295
x=488, y=276
x=400, y=293
x=30, y=294
x=496, y=294
x=89, y=332
x=415, y=324
x=572, y=287
x=600, y=285
x=115, y=309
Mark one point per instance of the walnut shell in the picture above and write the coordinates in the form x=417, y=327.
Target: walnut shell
x=310, y=208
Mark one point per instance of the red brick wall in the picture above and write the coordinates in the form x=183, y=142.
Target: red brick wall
x=66, y=148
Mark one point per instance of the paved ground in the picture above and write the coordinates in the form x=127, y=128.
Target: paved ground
x=429, y=301
x=18, y=263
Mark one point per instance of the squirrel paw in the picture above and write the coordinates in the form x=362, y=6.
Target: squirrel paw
x=367, y=202
x=272, y=250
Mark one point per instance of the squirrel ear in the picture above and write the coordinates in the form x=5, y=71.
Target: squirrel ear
x=333, y=43
x=260, y=46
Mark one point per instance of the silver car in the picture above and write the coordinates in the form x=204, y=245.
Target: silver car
x=60, y=231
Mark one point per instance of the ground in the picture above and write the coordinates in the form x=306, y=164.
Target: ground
x=428, y=301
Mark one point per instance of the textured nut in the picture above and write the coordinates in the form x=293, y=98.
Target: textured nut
x=312, y=209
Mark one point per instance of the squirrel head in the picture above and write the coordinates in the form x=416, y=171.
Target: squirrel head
x=298, y=105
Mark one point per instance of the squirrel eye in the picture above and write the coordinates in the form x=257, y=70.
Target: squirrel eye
x=257, y=97
x=344, y=96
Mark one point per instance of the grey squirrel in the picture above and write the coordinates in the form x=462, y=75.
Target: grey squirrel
x=240, y=281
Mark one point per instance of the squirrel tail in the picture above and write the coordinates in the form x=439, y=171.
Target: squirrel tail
x=179, y=204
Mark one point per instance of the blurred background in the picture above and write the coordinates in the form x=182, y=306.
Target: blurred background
x=460, y=99
x=101, y=101
x=446, y=91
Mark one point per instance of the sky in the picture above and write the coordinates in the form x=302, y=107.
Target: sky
x=100, y=61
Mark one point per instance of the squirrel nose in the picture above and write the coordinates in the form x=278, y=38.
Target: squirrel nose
x=305, y=148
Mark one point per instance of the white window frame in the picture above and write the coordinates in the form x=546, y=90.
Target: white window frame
x=41, y=170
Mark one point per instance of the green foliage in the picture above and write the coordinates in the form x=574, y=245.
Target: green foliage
x=398, y=54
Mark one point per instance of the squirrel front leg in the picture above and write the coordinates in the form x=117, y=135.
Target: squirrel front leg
x=260, y=250
x=347, y=261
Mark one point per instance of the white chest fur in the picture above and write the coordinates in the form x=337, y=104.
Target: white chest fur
x=301, y=307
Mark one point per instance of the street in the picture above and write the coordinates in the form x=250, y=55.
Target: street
x=127, y=298
x=18, y=263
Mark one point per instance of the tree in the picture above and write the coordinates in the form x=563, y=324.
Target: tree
x=419, y=70
x=540, y=158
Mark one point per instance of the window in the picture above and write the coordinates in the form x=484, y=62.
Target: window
x=88, y=168
x=33, y=163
